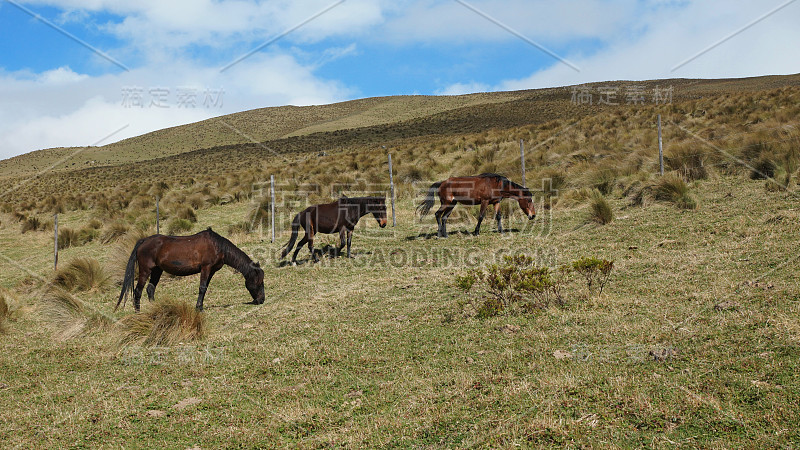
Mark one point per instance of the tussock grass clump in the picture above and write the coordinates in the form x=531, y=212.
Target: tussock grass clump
x=31, y=224
x=166, y=322
x=599, y=210
x=95, y=224
x=71, y=316
x=81, y=274
x=114, y=231
x=258, y=213
x=177, y=225
x=669, y=188
x=673, y=189
x=763, y=168
x=196, y=200
x=186, y=213
x=5, y=310
x=688, y=160
x=67, y=237
x=120, y=252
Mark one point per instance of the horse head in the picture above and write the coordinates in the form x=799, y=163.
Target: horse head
x=526, y=205
x=255, y=283
x=378, y=210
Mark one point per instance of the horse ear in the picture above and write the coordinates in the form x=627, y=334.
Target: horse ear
x=257, y=264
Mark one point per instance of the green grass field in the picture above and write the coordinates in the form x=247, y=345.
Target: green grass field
x=695, y=340
x=377, y=350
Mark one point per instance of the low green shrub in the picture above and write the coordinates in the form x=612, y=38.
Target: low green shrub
x=595, y=271
x=520, y=284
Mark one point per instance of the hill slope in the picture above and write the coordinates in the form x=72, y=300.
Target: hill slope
x=424, y=114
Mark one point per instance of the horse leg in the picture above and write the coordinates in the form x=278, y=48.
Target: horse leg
x=299, y=246
x=349, y=238
x=205, y=277
x=438, y=215
x=144, y=272
x=342, y=240
x=310, y=236
x=497, y=216
x=484, y=204
x=155, y=275
x=445, y=215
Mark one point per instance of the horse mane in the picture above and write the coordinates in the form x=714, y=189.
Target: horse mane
x=506, y=183
x=234, y=256
x=360, y=200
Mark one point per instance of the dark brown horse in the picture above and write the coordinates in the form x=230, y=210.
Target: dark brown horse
x=340, y=217
x=485, y=189
x=204, y=253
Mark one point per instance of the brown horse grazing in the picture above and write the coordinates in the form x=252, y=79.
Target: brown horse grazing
x=485, y=189
x=204, y=253
x=340, y=217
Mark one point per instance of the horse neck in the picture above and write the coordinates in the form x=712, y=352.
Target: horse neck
x=511, y=191
x=362, y=205
x=237, y=259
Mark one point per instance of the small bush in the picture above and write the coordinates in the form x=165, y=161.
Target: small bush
x=81, y=274
x=177, y=225
x=466, y=282
x=166, y=322
x=595, y=271
x=519, y=281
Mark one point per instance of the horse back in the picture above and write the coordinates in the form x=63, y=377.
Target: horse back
x=180, y=255
x=469, y=190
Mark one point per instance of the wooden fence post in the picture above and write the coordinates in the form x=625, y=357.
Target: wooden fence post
x=660, y=148
x=158, y=217
x=391, y=189
x=55, y=243
x=272, y=204
x=522, y=159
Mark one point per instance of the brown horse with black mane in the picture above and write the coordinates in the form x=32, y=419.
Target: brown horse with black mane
x=204, y=253
x=340, y=217
x=484, y=189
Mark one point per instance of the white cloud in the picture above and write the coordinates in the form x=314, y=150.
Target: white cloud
x=52, y=110
x=675, y=32
x=464, y=88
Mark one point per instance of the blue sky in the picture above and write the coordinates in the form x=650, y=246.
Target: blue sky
x=72, y=77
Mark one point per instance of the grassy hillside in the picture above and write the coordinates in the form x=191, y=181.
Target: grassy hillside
x=441, y=115
x=693, y=341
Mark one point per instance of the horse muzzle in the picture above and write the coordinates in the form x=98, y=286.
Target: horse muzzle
x=531, y=216
x=382, y=223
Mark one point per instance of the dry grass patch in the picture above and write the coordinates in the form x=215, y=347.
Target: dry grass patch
x=81, y=274
x=70, y=316
x=166, y=322
x=599, y=210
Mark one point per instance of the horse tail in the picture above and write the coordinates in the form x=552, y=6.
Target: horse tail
x=130, y=272
x=293, y=238
x=430, y=198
